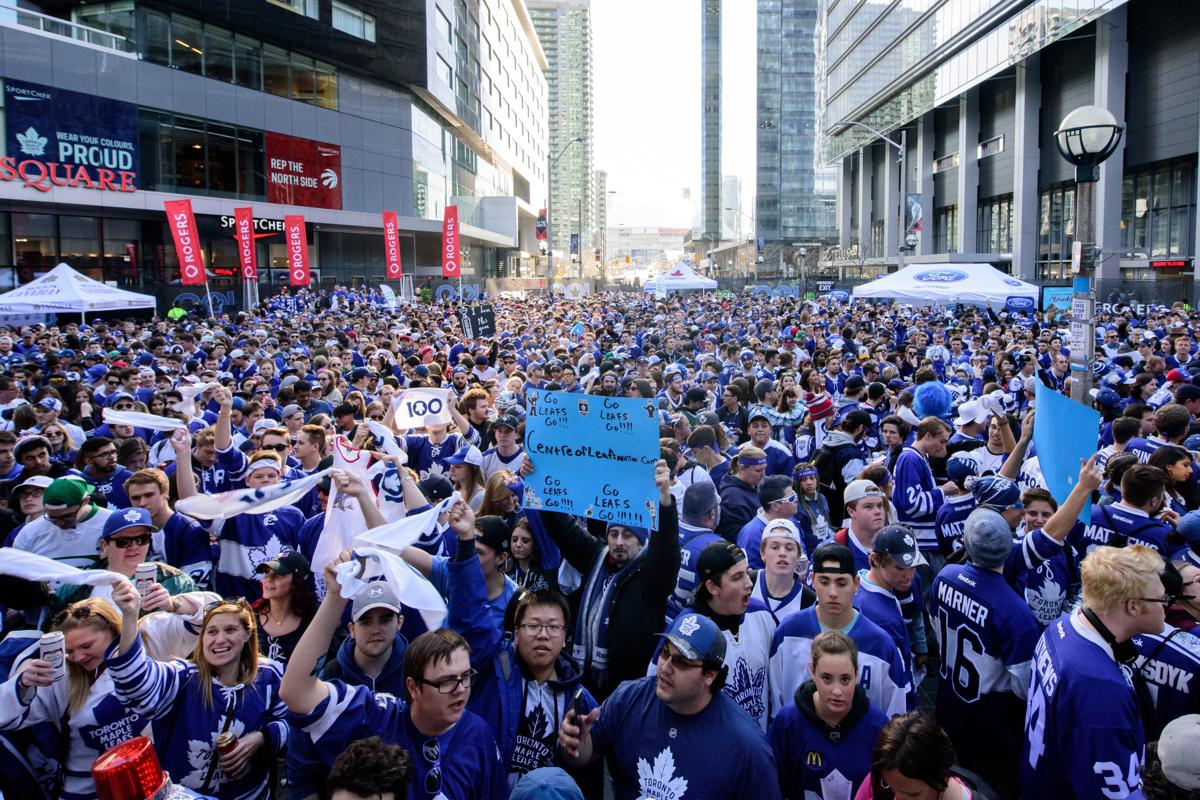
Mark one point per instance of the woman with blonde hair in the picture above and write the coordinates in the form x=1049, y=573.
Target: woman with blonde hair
x=224, y=693
x=82, y=707
x=502, y=497
x=739, y=490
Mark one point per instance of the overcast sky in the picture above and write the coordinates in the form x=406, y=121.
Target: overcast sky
x=647, y=109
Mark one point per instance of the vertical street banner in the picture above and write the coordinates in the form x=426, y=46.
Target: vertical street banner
x=187, y=241
x=297, y=249
x=391, y=246
x=451, y=257
x=914, y=213
x=243, y=234
x=592, y=456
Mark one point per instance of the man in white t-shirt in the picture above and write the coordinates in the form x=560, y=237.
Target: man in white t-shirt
x=70, y=529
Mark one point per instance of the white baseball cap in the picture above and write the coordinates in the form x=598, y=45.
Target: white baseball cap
x=782, y=529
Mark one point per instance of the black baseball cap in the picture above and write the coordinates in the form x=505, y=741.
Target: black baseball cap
x=898, y=542
x=839, y=554
x=494, y=532
x=435, y=487
x=287, y=563
x=507, y=420
x=716, y=558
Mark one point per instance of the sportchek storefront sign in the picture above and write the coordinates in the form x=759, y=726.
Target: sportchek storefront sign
x=57, y=137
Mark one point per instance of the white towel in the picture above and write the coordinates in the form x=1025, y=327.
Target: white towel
x=190, y=392
x=139, y=420
x=32, y=567
x=411, y=588
x=249, y=501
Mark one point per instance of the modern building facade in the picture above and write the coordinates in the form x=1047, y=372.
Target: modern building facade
x=600, y=195
x=333, y=109
x=978, y=89
x=710, y=120
x=794, y=197
x=564, y=28
x=733, y=226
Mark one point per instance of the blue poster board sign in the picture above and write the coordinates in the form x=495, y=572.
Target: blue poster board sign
x=94, y=140
x=1064, y=432
x=592, y=456
x=1058, y=296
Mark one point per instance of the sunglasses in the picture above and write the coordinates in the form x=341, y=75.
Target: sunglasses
x=125, y=542
x=240, y=602
x=278, y=448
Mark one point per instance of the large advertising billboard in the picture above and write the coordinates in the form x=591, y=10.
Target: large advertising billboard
x=57, y=137
x=301, y=172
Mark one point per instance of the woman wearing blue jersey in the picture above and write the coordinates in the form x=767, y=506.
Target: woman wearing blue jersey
x=824, y=739
x=224, y=688
x=72, y=720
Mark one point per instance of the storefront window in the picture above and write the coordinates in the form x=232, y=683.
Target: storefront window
x=276, y=75
x=120, y=257
x=186, y=38
x=154, y=43
x=304, y=80
x=1056, y=233
x=218, y=54
x=994, y=232
x=190, y=162
x=115, y=18
x=35, y=243
x=247, y=62
x=252, y=180
x=326, y=86
x=80, y=247
x=222, y=160
x=1157, y=210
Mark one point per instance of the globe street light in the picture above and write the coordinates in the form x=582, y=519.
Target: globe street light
x=1086, y=137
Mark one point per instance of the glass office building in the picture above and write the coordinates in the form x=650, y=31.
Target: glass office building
x=977, y=88
x=795, y=195
x=710, y=120
x=334, y=110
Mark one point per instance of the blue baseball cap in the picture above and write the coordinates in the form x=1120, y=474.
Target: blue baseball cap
x=1189, y=527
x=125, y=518
x=697, y=638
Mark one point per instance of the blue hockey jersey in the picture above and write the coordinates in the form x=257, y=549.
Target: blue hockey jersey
x=1169, y=662
x=1083, y=732
x=949, y=522
x=916, y=496
x=1044, y=572
x=883, y=674
x=987, y=635
x=248, y=540
x=1118, y=525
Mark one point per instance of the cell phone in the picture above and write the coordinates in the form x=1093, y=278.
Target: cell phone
x=579, y=704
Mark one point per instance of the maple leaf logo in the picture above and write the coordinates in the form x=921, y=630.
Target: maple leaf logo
x=745, y=687
x=539, y=723
x=32, y=142
x=689, y=625
x=659, y=782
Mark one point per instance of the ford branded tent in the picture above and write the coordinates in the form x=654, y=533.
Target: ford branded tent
x=678, y=278
x=948, y=284
x=62, y=289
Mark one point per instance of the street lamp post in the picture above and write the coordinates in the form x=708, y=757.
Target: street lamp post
x=549, y=208
x=753, y=234
x=1086, y=138
x=904, y=240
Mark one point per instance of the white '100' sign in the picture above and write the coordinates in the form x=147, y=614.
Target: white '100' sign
x=417, y=408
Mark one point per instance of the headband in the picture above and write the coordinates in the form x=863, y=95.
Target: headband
x=806, y=473
x=263, y=462
x=751, y=461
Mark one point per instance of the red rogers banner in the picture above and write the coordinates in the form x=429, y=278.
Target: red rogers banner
x=451, y=266
x=243, y=234
x=187, y=242
x=391, y=246
x=301, y=172
x=297, y=249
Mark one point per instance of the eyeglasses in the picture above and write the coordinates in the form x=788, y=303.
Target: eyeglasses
x=228, y=601
x=64, y=519
x=450, y=685
x=278, y=448
x=536, y=629
x=105, y=454
x=1164, y=601
x=126, y=542
x=678, y=661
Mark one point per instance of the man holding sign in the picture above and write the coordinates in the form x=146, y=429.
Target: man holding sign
x=627, y=578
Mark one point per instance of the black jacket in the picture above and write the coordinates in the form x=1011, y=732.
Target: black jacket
x=639, y=602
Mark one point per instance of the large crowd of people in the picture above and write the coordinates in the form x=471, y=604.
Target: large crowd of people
x=859, y=584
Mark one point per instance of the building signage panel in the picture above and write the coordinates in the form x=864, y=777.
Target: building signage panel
x=301, y=172
x=57, y=137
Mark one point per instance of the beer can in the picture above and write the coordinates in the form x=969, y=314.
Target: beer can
x=226, y=742
x=54, y=651
x=144, y=577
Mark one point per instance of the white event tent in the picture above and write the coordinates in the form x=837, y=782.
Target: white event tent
x=947, y=284
x=679, y=278
x=62, y=289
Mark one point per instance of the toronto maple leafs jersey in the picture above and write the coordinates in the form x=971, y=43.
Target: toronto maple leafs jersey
x=800, y=597
x=248, y=540
x=429, y=458
x=186, y=728
x=468, y=758
x=1043, y=571
x=1116, y=525
x=102, y=722
x=655, y=752
x=951, y=517
x=185, y=545
x=882, y=671
x=1083, y=732
x=1169, y=662
x=987, y=635
x=916, y=496
x=692, y=541
x=112, y=487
